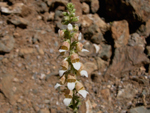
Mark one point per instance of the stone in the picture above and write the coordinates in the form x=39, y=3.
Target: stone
x=26, y=51
x=148, y=50
x=46, y=110
x=78, y=7
x=140, y=109
x=99, y=22
x=102, y=64
x=19, y=21
x=127, y=58
x=58, y=15
x=120, y=33
x=41, y=6
x=133, y=11
x=88, y=32
x=16, y=8
x=136, y=40
x=97, y=38
x=106, y=94
x=85, y=8
x=85, y=21
x=86, y=107
x=94, y=5
x=90, y=67
x=52, y=3
x=6, y=44
x=41, y=52
x=105, y=52
x=127, y=93
x=7, y=87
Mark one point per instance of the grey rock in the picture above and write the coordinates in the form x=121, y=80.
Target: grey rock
x=140, y=109
x=97, y=38
x=106, y=52
x=58, y=15
x=136, y=40
x=18, y=21
x=7, y=44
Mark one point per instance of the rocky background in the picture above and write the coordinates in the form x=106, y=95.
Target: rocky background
x=117, y=33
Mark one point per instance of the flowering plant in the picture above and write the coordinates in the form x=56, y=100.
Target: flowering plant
x=71, y=67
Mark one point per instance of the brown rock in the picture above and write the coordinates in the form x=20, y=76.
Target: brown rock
x=106, y=94
x=78, y=7
x=120, y=33
x=85, y=8
x=85, y=21
x=7, y=87
x=26, y=51
x=90, y=67
x=7, y=43
x=44, y=111
x=136, y=40
x=126, y=58
x=94, y=5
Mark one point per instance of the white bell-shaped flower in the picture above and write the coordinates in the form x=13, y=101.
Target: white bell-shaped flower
x=80, y=89
x=75, y=61
x=71, y=81
x=65, y=47
x=68, y=97
x=79, y=47
x=70, y=27
x=64, y=67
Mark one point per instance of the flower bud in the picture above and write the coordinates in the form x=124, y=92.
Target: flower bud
x=79, y=86
x=79, y=46
x=65, y=45
x=65, y=64
x=62, y=80
x=68, y=93
x=74, y=58
x=61, y=33
x=76, y=27
x=75, y=36
x=70, y=27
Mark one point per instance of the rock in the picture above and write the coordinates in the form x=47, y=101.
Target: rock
x=18, y=21
x=16, y=8
x=46, y=110
x=85, y=21
x=127, y=93
x=136, y=40
x=7, y=44
x=106, y=95
x=78, y=7
x=26, y=11
x=88, y=32
x=85, y=8
x=133, y=11
x=97, y=38
x=49, y=16
x=96, y=77
x=41, y=7
x=126, y=58
x=59, y=25
x=140, y=109
x=148, y=50
x=53, y=3
x=106, y=52
x=41, y=52
x=99, y=22
x=23, y=52
x=58, y=15
x=101, y=63
x=94, y=5
x=7, y=87
x=120, y=33
x=90, y=67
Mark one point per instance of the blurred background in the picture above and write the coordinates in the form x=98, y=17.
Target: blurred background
x=117, y=34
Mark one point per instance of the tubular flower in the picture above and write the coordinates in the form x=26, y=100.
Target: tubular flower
x=61, y=82
x=64, y=67
x=82, y=72
x=75, y=61
x=68, y=97
x=61, y=33
x=71, y=81
x=80, y=89
x=80, y=47
x=70, y=27
x=65, y=47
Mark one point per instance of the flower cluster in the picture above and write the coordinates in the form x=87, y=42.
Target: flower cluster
x=71, y=67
